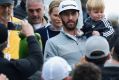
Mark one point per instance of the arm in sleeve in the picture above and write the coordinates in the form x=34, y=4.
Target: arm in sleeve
x=109, y=27
x=33, y=61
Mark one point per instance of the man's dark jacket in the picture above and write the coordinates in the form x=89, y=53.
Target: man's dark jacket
x=23, y=68
x=110, y=73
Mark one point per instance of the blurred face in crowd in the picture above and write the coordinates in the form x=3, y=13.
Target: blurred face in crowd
x=6, y=11
x=35, y=12
x=69, y=19
x=55, y=19
x=96, y=15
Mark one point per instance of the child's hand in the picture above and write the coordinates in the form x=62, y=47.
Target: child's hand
x=96, y=33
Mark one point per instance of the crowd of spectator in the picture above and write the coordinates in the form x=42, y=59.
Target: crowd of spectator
x=74, y=41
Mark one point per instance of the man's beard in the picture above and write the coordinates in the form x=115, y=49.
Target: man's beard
x=70, y=27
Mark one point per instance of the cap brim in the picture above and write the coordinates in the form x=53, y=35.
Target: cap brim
x=6, y=2
x=68, y=9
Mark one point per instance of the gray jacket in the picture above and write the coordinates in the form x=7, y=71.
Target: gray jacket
x=67, y=46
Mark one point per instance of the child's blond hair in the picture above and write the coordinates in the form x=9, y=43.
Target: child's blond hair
x=95, y=5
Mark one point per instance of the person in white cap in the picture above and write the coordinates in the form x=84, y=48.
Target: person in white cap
x=56, y=68
x=69, y=43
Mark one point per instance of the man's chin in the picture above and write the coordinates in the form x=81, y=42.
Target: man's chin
x=71, y=24
x=71, y=28
x=36, y=22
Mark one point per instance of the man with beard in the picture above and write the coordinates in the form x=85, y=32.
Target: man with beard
x=68, y=44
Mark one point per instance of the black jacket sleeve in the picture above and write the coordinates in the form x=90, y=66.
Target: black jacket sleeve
x=33, y=62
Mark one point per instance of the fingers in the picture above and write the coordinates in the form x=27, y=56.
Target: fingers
x=96, y=33
x=3, y=77
x=27, y=29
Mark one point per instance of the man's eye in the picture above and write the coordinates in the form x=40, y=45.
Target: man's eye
x=73, y=13
x=30, y=10
x=38, y=10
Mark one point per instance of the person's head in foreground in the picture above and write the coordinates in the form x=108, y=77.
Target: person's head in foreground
x=56, y=68
x=97, y=50
x=87, y=71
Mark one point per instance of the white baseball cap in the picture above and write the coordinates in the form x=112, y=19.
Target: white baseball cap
x=55, y=68
x=97, y=43
x=68, y=4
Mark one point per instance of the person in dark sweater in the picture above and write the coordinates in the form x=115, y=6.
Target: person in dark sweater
x=111, y=67
x=23, y=68
x=55, y=24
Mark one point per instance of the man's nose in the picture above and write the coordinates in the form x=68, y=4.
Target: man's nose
x=70, y=16
x=35, y=13
x=6, y=8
